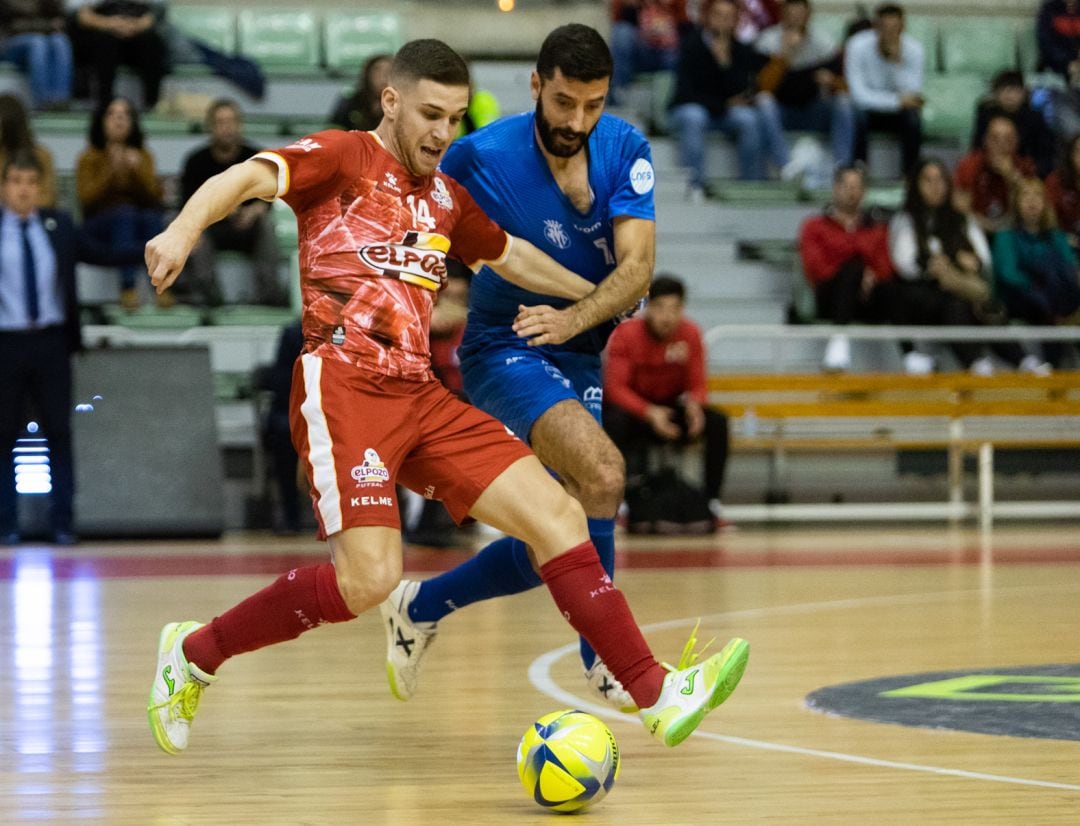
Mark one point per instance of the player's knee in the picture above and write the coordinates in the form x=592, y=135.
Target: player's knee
x=606, y=483
x=364, y=586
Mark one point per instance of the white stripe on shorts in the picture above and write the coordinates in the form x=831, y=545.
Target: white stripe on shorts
x=320, y=446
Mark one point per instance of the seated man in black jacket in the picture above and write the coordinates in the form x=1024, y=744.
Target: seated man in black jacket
x=716, y=89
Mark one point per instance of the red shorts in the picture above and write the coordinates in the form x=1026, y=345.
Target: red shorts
x=360, y=433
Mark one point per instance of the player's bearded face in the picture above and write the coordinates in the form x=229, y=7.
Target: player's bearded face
x=567, y=112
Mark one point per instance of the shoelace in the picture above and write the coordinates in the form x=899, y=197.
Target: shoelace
x=689, y=656
x=185, y=702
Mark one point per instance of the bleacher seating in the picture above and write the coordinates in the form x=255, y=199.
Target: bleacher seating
x=350, y=38
x=214, y=25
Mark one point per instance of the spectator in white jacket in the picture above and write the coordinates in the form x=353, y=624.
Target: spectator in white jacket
x=883, y=67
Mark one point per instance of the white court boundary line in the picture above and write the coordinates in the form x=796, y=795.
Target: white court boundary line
x=540, y=677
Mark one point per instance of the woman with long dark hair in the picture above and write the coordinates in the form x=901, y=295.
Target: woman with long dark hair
x=943, y=257
x=119, y=193
x=16, y=138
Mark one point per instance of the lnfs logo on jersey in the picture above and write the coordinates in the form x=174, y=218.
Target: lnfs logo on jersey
x=441, y=195
x=419, y=258
x=642, y=177
x=307, y=144
x=391, y=181
x=555, y=233
x=371, y=471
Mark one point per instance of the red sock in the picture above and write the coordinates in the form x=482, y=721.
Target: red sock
x=598, y=611
x=295, y=602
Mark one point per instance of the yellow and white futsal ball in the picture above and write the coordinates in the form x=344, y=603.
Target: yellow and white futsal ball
x=568, y=760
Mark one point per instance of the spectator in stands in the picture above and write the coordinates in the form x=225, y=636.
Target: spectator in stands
x=249, y=229
x=39, y=330
x=985, y=178
x=654, y=387
x=1035, y=269
x=845, y=257
x=1009, y=99
x=107, y=34
x=715, y=90
x=33, y=38
x=644, y=38
x=883, y=67
x=119, y=193
x=363, y=108
x=942, y=255
x=1059, y=36
x=803, y=74
x=1063, y=191
x=276, y=379
x=16, y=137
x=755, y=16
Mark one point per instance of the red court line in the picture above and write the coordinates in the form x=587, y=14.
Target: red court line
x=423, y=560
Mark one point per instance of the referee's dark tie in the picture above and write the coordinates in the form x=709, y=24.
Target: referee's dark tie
x=29, y=274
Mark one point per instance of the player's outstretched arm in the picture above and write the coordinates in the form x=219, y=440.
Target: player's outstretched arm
x=217, y=198
x=624, y=286
x=527, y=267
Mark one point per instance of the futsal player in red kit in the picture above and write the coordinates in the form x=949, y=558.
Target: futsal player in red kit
x=376, y=222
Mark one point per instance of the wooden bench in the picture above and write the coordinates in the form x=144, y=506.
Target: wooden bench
x=958, y=412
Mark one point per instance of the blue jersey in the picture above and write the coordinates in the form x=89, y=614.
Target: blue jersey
x=505, y=171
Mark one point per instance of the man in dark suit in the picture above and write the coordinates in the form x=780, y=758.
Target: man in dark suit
x=39, y=330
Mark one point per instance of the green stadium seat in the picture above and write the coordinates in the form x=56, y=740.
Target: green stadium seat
x=149, y=317
x=949, y=112
x=280, y=41
x=352, y=37
x=251, y=315
x=662, y=87
x=925, y=30
x=1027, y=45
x=213, y=25
x=978, y=45
x=831, y=26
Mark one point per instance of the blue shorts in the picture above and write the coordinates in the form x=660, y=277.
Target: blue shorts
x=517, y=384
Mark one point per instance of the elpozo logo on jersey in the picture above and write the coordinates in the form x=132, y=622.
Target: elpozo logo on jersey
x=371, y=471
x=642, y=177
x=419, y=258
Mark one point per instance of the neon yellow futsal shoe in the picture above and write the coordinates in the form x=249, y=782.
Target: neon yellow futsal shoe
x=693, y=690
x=176, y=690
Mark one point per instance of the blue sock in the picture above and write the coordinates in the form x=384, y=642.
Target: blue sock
x=602, y=534
x=499, y=569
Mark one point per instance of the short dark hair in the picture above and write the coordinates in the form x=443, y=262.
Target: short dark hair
x=665, y=284
x=429, y=59
x=23, y=159
x=857, y=167
x=576, y=50
x=889, y=10
x=1006, y=79
x=222, y=103
x=97, y=124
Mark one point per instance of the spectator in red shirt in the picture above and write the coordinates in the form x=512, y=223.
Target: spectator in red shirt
x=644, y=38
x=1063, y=191
x=654, y=387
x=1059, y=36
x=845, y=257
x=985, y=178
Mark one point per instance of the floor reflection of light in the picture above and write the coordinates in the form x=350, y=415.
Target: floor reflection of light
x=56, y=674
x=84, y=655
x=32, y=667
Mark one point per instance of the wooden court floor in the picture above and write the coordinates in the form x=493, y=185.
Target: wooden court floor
x=307, y=732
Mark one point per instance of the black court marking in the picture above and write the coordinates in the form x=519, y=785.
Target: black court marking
x=1033, y=701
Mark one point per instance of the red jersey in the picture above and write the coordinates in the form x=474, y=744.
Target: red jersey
x=990, y=195
x=641, y=369
x=373, y=246
x=825, y=245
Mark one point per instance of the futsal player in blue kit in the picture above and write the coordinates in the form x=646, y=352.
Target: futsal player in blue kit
x=578, y=184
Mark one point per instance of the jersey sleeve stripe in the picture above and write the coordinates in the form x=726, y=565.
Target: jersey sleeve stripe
x=282, y=168
x=479, y=264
